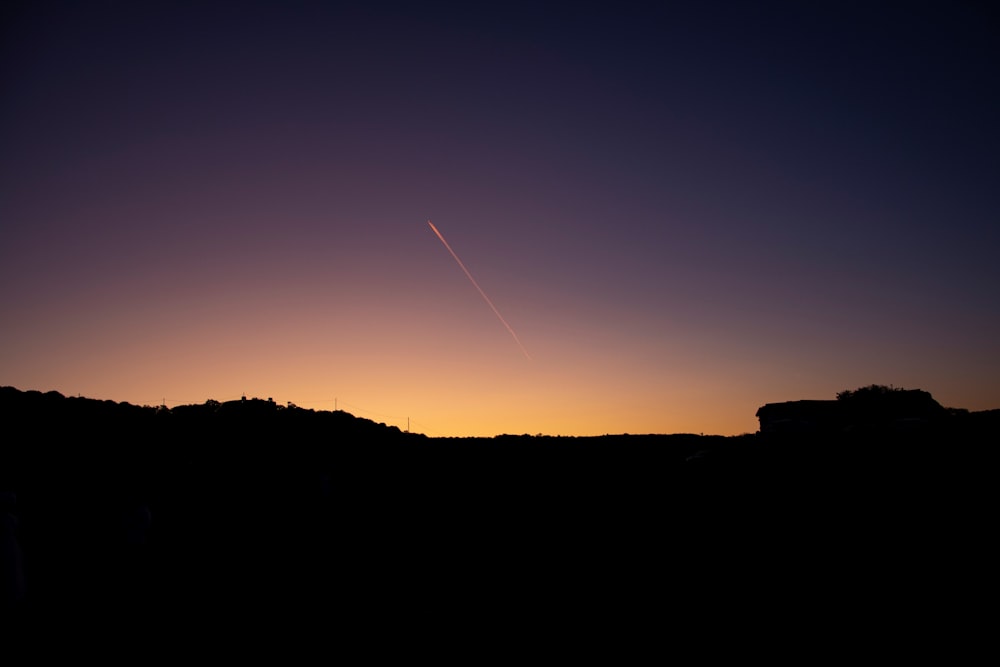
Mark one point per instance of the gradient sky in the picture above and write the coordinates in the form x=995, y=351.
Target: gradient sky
x=684, y=212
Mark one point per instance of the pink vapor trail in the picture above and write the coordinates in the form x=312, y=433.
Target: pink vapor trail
x=476, y=285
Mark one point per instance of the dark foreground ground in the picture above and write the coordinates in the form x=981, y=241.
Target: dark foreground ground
x=245, y=519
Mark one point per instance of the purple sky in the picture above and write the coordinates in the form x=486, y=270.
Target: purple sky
x=684, y=213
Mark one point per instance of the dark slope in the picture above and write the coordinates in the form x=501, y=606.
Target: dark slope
x=253, y=510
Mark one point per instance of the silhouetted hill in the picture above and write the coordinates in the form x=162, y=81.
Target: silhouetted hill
x=248, y=506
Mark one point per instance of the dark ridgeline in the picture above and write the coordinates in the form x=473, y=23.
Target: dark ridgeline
x=249, y=507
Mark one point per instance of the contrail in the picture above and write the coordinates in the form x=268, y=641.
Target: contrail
x=476, y=285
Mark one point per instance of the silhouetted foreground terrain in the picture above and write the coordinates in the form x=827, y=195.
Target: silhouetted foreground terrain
x=248, y=507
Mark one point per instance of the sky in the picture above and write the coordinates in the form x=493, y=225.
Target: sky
x=670, y=215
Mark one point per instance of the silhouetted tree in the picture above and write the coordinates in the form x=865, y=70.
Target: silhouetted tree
x=871, y=391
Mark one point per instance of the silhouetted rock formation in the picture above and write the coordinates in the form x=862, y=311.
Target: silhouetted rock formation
x=869, y=408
